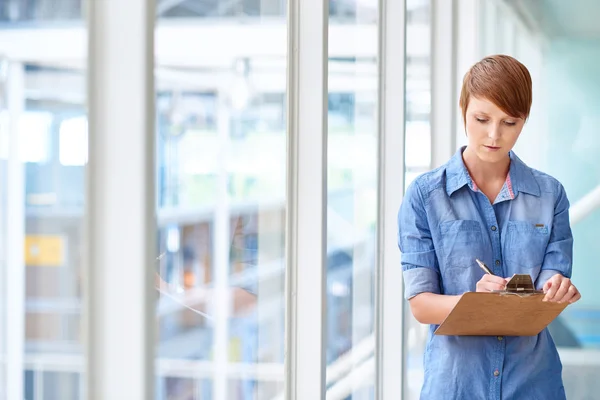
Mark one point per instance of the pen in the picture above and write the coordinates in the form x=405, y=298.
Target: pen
x=484, y=267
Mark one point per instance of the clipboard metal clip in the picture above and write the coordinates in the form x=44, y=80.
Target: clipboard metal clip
x=521, y=285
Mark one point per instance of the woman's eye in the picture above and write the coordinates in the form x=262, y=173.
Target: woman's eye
x=510, y=123
x=481, y=120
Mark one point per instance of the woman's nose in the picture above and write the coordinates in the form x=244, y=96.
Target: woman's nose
x=494, y=132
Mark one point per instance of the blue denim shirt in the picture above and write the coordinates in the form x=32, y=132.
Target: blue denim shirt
x=445, y=223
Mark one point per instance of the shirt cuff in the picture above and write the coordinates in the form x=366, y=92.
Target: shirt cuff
x=543, y=277
x=420, y=280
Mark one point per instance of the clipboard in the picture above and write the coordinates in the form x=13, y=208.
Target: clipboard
x=518, y=310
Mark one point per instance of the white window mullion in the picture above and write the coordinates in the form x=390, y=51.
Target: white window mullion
x=120, y=219
x=221, y=266
x=307, y=199
x=389, y=339
x=15, y=237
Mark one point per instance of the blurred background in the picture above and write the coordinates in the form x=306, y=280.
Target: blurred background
x=220, y=75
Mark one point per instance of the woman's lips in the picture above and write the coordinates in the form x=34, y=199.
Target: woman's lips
x=492, y=148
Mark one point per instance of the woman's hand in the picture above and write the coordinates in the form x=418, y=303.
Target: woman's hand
x=560, y=290
x=491, y=282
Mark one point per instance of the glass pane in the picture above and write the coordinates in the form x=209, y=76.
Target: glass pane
x=54, y=198
x=418, y=143
x=221, y=187
x=4, y=143
x=52, y=385
x=180, y=9
x=418, y=86
x=488, y=24
x=570, y=85
x=38, y=98
x=36, y=11
x=352, y=200
x=417, y=160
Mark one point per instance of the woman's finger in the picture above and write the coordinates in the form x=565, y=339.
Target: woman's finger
x=494, y=279
x=488, y=286
x=551, y=287
x=576, y=297
x=562, y=291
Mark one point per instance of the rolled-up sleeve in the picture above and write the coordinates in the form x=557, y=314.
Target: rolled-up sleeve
x=419, y=262
x=559, y=252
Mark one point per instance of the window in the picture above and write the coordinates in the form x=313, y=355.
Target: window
x=34, y=129
x=418, y=149
x=352, y=199
x=221, y=180
x=72, y=142
x=42, y=226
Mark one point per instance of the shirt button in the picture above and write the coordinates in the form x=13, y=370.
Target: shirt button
x=500, y=338
x=497, y=262
x=493, y=227
x=496, y=373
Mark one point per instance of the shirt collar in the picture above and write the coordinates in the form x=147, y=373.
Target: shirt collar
x=520, y=178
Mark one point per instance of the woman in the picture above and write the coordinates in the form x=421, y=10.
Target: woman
x=486, y=204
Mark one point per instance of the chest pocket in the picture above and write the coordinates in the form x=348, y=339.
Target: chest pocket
x=461, y=242
x=525, y=247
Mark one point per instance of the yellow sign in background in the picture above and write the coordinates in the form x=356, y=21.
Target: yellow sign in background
x=44, y=250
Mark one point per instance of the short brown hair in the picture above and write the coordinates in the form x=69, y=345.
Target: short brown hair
x=502, y=80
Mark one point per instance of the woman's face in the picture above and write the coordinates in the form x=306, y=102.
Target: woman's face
x=491, y=132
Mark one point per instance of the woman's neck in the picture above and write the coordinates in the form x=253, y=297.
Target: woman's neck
x=485, y=172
